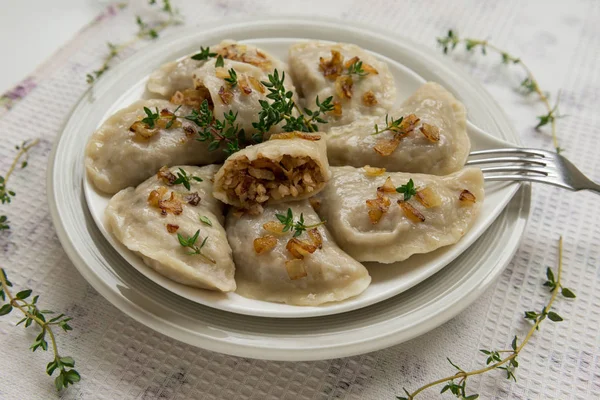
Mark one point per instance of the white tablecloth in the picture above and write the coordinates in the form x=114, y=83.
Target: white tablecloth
x=119, y=358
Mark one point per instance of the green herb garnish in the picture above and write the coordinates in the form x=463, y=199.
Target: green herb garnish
x=204, y=54
x=282, y=109
x=391, y=124
x=190, y=243
x=232, y=79
x=151, y=117
x=356, y=68
x=408, y=190
x=220, y=62
x=205, y=220
x=297, y=227
x=184, y=179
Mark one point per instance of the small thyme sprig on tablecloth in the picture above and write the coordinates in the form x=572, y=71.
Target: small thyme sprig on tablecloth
x=32, y=314
x=298, y=227
x=7, y=194
x=456, y=384
x=528, y=85
x=282, y=109
x=146, y=30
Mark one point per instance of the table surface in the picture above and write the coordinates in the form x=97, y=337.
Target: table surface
x=120, y=359
x=61, y=21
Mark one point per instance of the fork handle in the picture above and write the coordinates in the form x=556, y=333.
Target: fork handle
x=592, y=187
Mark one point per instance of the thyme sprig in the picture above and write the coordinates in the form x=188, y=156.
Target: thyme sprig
x=356, y=68
x=408, y=189
x=297, y=227
x=190, y=243
x=212, y=130
x=184, y=179
x=232, y=79
x=7, y=194
x=528, y=85
x=391, y=124
x=147, y=30
x=204, y=54
x=456, y=384
x=282, y=109
x=68, y=375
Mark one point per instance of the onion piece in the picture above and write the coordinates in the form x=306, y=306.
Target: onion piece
x=274, y=227
x=264, y=244
x=299, y=249
x=373, y=171
x=428, y=198
x=410, y=212
x=295, y=269
x=467, y=198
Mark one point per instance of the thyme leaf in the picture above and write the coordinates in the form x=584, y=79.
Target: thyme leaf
x=528, y=85
x=456, y=384
x=21, y=302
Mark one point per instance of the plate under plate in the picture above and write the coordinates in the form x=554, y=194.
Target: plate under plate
x=369, y=328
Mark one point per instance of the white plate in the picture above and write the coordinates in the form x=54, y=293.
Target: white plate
x=387, y=322
x=387, y=280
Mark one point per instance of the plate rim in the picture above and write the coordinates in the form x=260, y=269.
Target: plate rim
x=144, y=316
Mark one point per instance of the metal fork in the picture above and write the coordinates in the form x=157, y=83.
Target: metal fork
x=534, y=165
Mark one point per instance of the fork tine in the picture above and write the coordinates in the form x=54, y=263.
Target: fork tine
x=529, y=178
x=531, y=152
x=516, y=168
x=527, y=160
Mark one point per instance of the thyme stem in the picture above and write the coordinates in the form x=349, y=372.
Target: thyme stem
x=22, y=151
x=463, y=375
x=532, y=85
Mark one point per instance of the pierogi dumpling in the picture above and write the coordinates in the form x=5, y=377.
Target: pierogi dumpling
x=372, y=221
x=178, y=75
x=289, y=166
x=124, y=151
x=153, y=219
x=361, y=85
x=431, y=139
x=307, y=270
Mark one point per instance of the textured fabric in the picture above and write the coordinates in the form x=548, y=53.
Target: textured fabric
x=119, y=358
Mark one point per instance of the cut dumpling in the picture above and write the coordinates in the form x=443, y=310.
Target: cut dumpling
x=371, y=221
x=159, y=217
x=235, y=88
x=359, y=83
x=125, y=151
x=289, y=166
x=306, y=270
x=178, y=75
x=432, y=137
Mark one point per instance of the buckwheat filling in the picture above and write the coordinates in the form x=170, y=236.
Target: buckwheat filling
x=255, y=182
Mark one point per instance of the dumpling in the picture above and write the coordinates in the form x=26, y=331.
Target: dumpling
x=431, y=139
x=236, y=88
x=359, y=83
x=177, y=228
x=306, y=270
x=125, y=151
x=371, y=220
x=178, y=75
x=291, y=165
